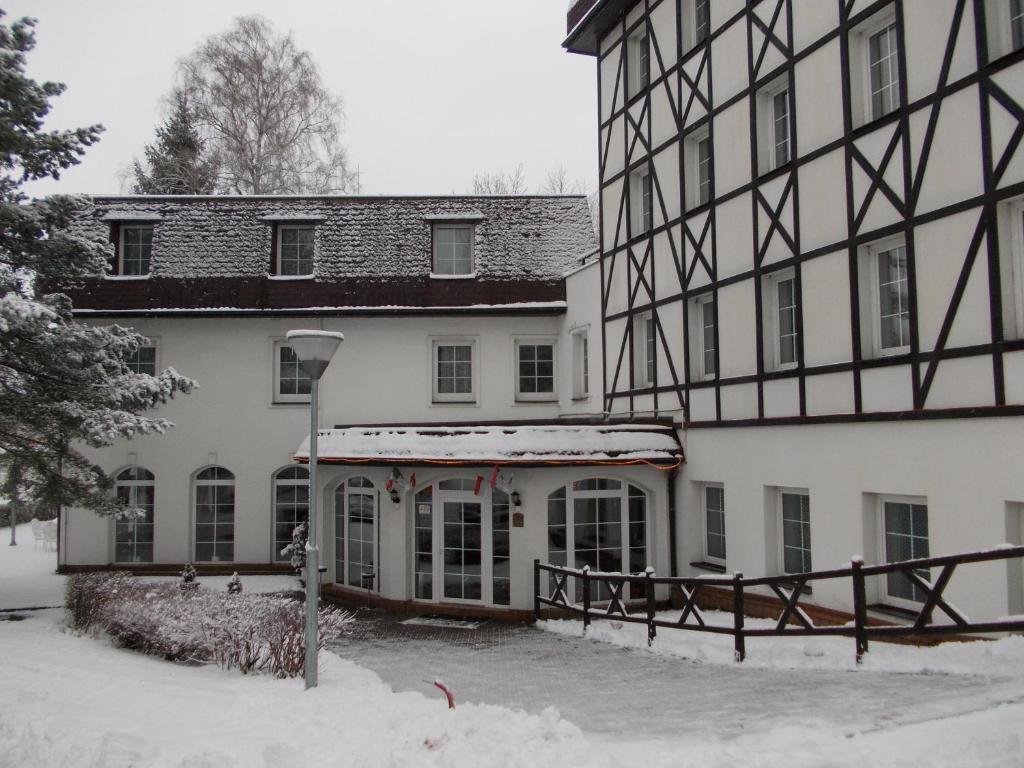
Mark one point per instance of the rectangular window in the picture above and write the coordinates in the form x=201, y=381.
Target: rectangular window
x=641, y=201
x=136, y=248
x=884, y=71
x=644, y=350
x=535, y=363
x=893, y=308
x=581, y=365
x=291, y=382
x=704, y=351
x=703, y=170
x=701, y=21
x=795, y=511
x=294, y=250
x=905, y=537
x=454, y=379
x=143, y=361
x=781, y=306
x=1011, y=267
x=453, y=249
x=1016, y=24
x=639, y=51
x=714, y=524
x=780, y=127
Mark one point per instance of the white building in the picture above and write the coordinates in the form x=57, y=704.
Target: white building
x=459, y=340
x=811, y=244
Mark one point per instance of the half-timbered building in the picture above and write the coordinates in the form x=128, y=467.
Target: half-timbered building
x=811, y=256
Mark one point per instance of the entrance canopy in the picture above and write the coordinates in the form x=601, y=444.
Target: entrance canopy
x=538, y=445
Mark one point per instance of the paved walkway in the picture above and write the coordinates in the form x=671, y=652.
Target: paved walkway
x=610, y=690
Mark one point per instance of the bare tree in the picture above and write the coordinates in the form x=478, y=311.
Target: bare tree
x=500, y=183
x=260, y=102
x=557, y=183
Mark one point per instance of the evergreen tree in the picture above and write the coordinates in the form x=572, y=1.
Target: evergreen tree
x=177, y=163
x=62, y=384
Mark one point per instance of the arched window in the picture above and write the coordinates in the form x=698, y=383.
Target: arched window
x=355, y=534
x=291, y=506
x=215, y=515
x=600, y=523
x=133, y=535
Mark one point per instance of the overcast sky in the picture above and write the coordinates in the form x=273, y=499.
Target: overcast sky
x=434, y=91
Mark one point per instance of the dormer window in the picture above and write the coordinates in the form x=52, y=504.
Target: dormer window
x=294, y=250
x=135, y=247
x=453, y=249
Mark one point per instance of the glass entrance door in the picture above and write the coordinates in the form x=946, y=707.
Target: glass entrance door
x=463, y=539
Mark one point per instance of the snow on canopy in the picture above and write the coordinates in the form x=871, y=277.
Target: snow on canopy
x=557, y=443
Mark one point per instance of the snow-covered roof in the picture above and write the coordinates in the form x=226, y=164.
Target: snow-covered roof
x=519, y=444
x=211, y=251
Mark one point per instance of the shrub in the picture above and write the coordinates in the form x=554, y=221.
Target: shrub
x=253, y=633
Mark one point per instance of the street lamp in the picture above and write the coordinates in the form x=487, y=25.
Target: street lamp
x=314, y=350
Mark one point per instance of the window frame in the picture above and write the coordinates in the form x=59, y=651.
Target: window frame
x=767, y=128
x=435, y=227
x=279, y=229
x=883, y=499
x=772, y=310
x=278, y=397
x=343, y=492
x=641, y=203
x=133, y=484
x=869, y=262
x=197, y=482
x=454, y=398
x=1011, y=268
x=134, y=364
x=804, y=494
x=692, y=143
x=645, y=350
x=278, y=481
x=691, y=13
x=861, y=92
x=535, y=341
x=999, y=21
x=705, y=531
x=581, y=364
x=638, y=49
x=122, y=229
x=698, y=362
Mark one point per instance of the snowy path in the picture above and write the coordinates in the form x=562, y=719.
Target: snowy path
x=617, y=691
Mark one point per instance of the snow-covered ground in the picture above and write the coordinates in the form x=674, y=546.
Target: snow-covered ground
x=76, y=701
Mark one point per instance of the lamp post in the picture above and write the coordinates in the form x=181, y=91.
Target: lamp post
x=314, y=350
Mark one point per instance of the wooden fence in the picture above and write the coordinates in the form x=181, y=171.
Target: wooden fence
x=614, y=591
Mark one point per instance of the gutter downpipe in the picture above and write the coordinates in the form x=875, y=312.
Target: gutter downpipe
x=672, y=554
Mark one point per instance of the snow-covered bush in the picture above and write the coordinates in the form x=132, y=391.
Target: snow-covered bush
x=253, y=633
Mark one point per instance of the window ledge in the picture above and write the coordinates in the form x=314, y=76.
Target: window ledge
x=706, y=566
x=580, y=398
x=291, y=277
x=443, y=276
x=303, y=403
x=128, y=277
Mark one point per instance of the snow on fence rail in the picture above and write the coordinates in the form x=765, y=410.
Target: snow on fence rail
x=614, y=590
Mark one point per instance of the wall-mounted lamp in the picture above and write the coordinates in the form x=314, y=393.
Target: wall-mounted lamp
x=515, y=498
x=396, y=498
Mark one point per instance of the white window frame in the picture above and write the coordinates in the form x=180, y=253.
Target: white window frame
x=278, y=258
x=581, y=364
x=690, y=39
x=122, y=229
x=280, y=398
x=998, y=15
x=197, y=483
x=155, y=346
x=767, y=125
x=871, y=302
x=344, y=493
x=536, y=397
x=278, y=481
x=888, y=598
x=458, y=398
x=638, y=48
x=771, y=320
x=645, y=350
x=691, y=148
x=705, y=510
x=133, y=485
x=437, y=226
x=698, y=365
x=860, y=66
x=1011, y=256
x=641, y=191
x=804, y=494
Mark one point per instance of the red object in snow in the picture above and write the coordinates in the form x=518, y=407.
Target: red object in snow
x=447, y=693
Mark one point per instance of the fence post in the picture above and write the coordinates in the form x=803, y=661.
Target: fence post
x=536, y=589
x=586, y=597
x=860, y=609
x=652, y=631
x=737, y=608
